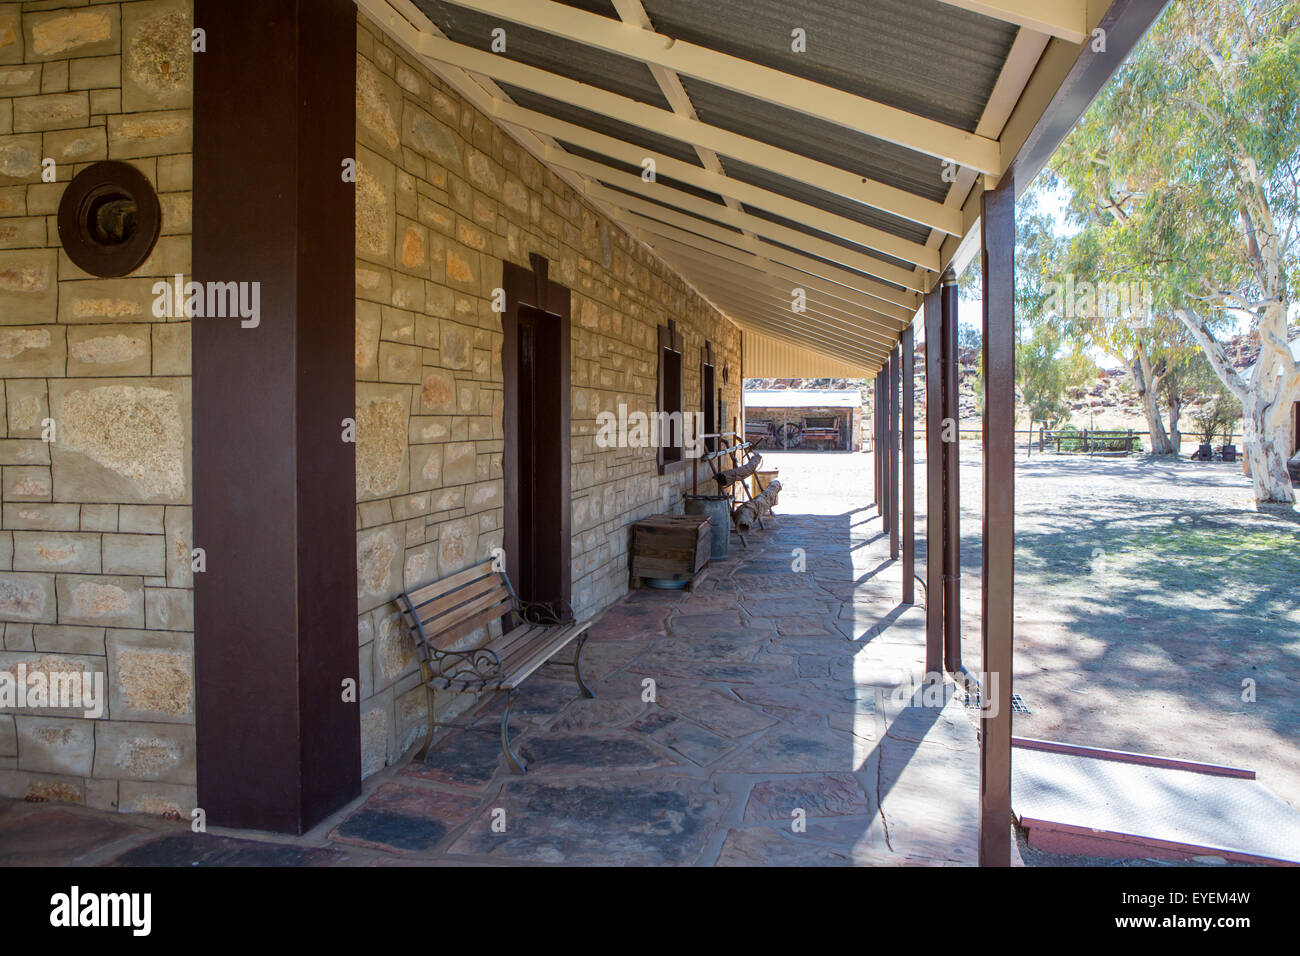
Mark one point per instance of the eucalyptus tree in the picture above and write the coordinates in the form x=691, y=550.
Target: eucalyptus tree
x=1185, y=175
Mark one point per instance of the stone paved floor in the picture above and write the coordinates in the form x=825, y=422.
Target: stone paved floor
x=786, y=726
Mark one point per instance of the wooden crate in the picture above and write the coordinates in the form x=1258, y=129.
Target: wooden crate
x=675, y=547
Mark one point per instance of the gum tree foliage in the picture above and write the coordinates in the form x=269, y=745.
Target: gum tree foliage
x=1186, y=173
x=1049, y=363
x=1154, y=346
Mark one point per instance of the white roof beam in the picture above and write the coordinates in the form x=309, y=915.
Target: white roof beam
x=827, y=321
x=670, y=84
x=1026, y=50
x=752, y=79
x=760, y=227
x=834, y=330
x=865, y=236
x=666, y=219
x=1067, y=19
x=841, y=182
x=807, y=340
x=778, y=318
x=894, y=316
x=868, y=237
x=777, y=293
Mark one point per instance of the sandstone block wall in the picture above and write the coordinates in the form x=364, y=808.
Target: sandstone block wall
x=443, y=196
x=95, y=525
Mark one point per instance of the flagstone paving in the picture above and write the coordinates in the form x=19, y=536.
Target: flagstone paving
x=773, y=716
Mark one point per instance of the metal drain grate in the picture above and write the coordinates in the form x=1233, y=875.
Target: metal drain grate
x=1018, y=705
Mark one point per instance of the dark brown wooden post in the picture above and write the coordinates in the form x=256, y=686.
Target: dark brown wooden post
x=278, y=741
x=998, y=227
x=951, y=481
x=909, y=467
x=891, y=409
x=878, y=458
x=934, y=527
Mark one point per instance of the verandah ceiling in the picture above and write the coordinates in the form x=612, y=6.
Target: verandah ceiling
x=850, y=168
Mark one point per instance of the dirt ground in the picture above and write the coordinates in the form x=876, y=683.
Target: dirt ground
x=1156, y=609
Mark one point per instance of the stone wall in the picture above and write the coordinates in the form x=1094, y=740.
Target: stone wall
x=95, y=572
x=443, y=196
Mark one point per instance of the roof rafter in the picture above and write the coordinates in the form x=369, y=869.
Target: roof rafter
x=1023, y=57
x=909, y=301
x=832, y=348
x=894, y=316
x=740, y=304
x=868, y=237
x=865, y=236
x=773, y=291
x=834, y=252
x=814, y=339
x=755, y=339
x=1066, y=19
x=670, y=84
x=752, y=79
x=754, y=152
x=778, y=307
x=777, y=310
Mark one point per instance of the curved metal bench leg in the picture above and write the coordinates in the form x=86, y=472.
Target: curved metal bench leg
x=429, y=698
x=517, y=765
x=577, y=668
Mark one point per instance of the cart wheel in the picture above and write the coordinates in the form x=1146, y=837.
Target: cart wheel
x=789, y=435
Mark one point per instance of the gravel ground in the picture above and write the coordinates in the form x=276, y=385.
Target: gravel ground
x=1150, y=597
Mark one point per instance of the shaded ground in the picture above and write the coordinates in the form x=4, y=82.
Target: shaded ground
x=1147, y=592
x=784, y=728
x=1149, y=598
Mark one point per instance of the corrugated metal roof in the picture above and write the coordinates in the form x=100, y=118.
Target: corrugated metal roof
x=577, y=61
x=627, y=132
x=808, y=193
x=802, y=397
x=660, y=178
x=817, y=139
x=929, y=58
x=829, y=237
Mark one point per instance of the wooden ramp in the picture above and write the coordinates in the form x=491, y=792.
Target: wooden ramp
x=1109, y=803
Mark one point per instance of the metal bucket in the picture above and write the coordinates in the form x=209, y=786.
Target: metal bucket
x=718, y=508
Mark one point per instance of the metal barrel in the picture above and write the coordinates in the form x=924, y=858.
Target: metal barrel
x=718, y=508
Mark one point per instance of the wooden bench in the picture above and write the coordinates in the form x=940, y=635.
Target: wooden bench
x=443, y=612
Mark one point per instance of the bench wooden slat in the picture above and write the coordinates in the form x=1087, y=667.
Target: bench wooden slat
x=460, y=612
x=471, y=617
x=527, y=659
x=438, y=607
x=437, y=588
x=513, y=639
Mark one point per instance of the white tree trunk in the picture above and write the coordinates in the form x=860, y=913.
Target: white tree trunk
x=1147, y=389
x=1265, y=454
x=1266, y=399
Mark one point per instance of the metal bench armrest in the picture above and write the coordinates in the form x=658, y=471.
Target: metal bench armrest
x=543, y=613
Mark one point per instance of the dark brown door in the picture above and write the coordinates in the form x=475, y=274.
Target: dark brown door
x=539, y=398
